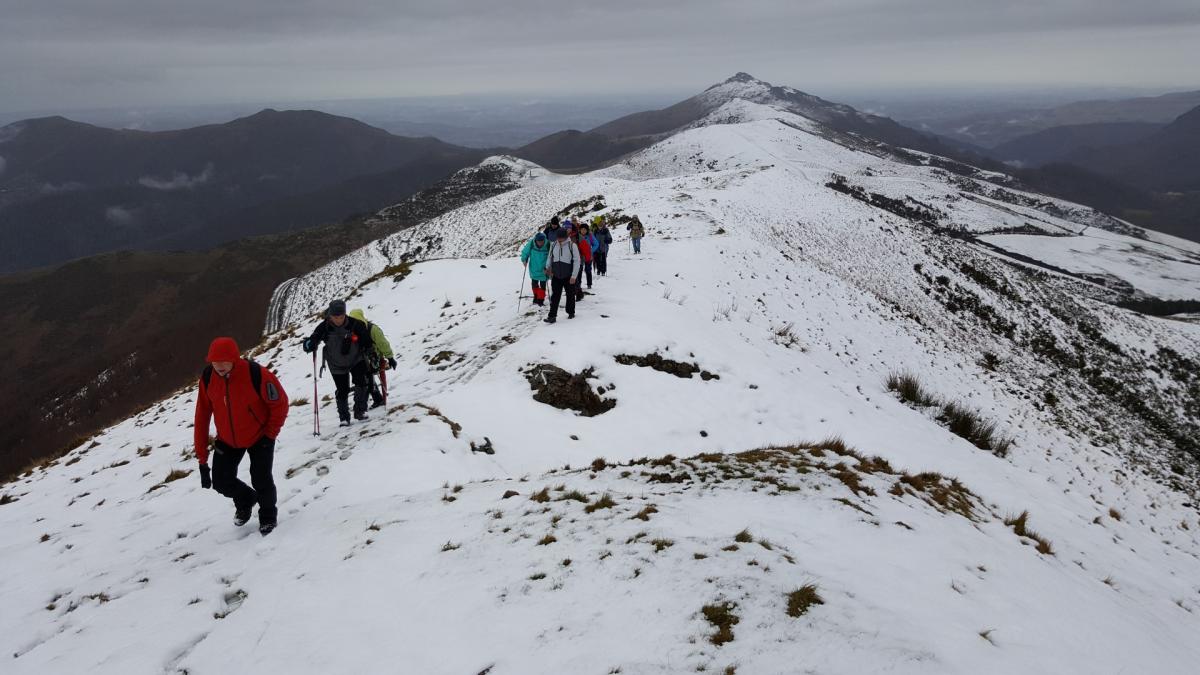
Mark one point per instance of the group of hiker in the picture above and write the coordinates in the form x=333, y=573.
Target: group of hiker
x=248, y=405
x=565, y=253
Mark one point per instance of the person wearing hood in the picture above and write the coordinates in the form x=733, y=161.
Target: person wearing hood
x=562, y=266
x=379, y=358
x=534, y=256
x=248, y=405
x=346, y=342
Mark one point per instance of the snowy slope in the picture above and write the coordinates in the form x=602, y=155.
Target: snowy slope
x=802, y=298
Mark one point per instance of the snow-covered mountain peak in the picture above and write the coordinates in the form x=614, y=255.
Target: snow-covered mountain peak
x=746, y=87
x=520, y=171
x=742, y=477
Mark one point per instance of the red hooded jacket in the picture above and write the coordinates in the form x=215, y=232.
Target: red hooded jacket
x=242, y=416
x=585, y=250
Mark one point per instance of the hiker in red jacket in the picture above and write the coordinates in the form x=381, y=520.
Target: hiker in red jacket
x=249, y=406
x=585, y=259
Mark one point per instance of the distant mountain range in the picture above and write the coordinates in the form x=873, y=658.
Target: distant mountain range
x=992, y=129
x=69, y=189
x=1152, y=170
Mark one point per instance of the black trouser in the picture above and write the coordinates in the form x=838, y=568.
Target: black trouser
x=557, y=286
x=587, y=269
x=342, y=381
x=602, y=263
x=225, y=481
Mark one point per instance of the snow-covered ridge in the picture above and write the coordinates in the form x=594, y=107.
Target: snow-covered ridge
x=398, y=547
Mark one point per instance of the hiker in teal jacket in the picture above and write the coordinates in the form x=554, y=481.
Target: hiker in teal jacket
x=534, y=255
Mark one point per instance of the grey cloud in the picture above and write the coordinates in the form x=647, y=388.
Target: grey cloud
x=81, y=52
x=53, y=189
x=120, y=216
x=3, y=165
x=179, y=181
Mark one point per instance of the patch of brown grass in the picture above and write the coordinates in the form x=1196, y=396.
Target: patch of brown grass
x=800, y=600
x=722, y=617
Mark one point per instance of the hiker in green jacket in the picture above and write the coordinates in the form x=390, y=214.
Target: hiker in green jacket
x=378, y=359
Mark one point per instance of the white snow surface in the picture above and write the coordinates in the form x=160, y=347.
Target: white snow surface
x=1168, y=270
x=397, y=551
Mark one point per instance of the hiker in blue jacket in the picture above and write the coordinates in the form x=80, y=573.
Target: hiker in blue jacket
x=600, y=252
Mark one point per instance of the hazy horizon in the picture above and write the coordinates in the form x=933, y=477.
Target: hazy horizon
x=73, y=54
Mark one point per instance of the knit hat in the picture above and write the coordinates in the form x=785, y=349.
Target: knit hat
x=337, y=308
x=223, y=349
x=539, y=237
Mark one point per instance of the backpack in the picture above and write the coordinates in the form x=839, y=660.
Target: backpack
x=374, y=360
x=255, y=377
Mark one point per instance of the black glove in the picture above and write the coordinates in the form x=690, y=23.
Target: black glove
x=308, y=345
x=205, y=477
x=391, y=364
x=265, y=443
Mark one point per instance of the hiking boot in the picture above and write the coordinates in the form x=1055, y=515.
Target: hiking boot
x=570, y=316
x=549, y=319
x=377, y=404
x=266, y=526
x=345, y=422
x=242, y=516
x=359, y=415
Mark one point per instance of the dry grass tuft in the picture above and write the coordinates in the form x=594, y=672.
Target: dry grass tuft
x=604, y=502
x=723, y=619
x=800, y=600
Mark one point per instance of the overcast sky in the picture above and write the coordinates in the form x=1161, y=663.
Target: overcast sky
x=94, y=53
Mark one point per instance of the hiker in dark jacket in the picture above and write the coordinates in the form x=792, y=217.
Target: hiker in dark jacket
x=562, y=266
x=604, y=239
x=347, y=341
x=249, y=406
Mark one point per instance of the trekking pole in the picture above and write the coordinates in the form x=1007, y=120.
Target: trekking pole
x=383, y=383
x=316, y=406
x=521, y=291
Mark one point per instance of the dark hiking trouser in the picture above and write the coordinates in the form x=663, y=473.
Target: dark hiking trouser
x=539, y=291
x=587, y=269
x=342, y=382
x=637, y=244
x=557, y=286
x=225, y=481
x=602, y=263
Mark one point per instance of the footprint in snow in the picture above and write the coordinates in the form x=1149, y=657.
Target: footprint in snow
x=233, y=601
